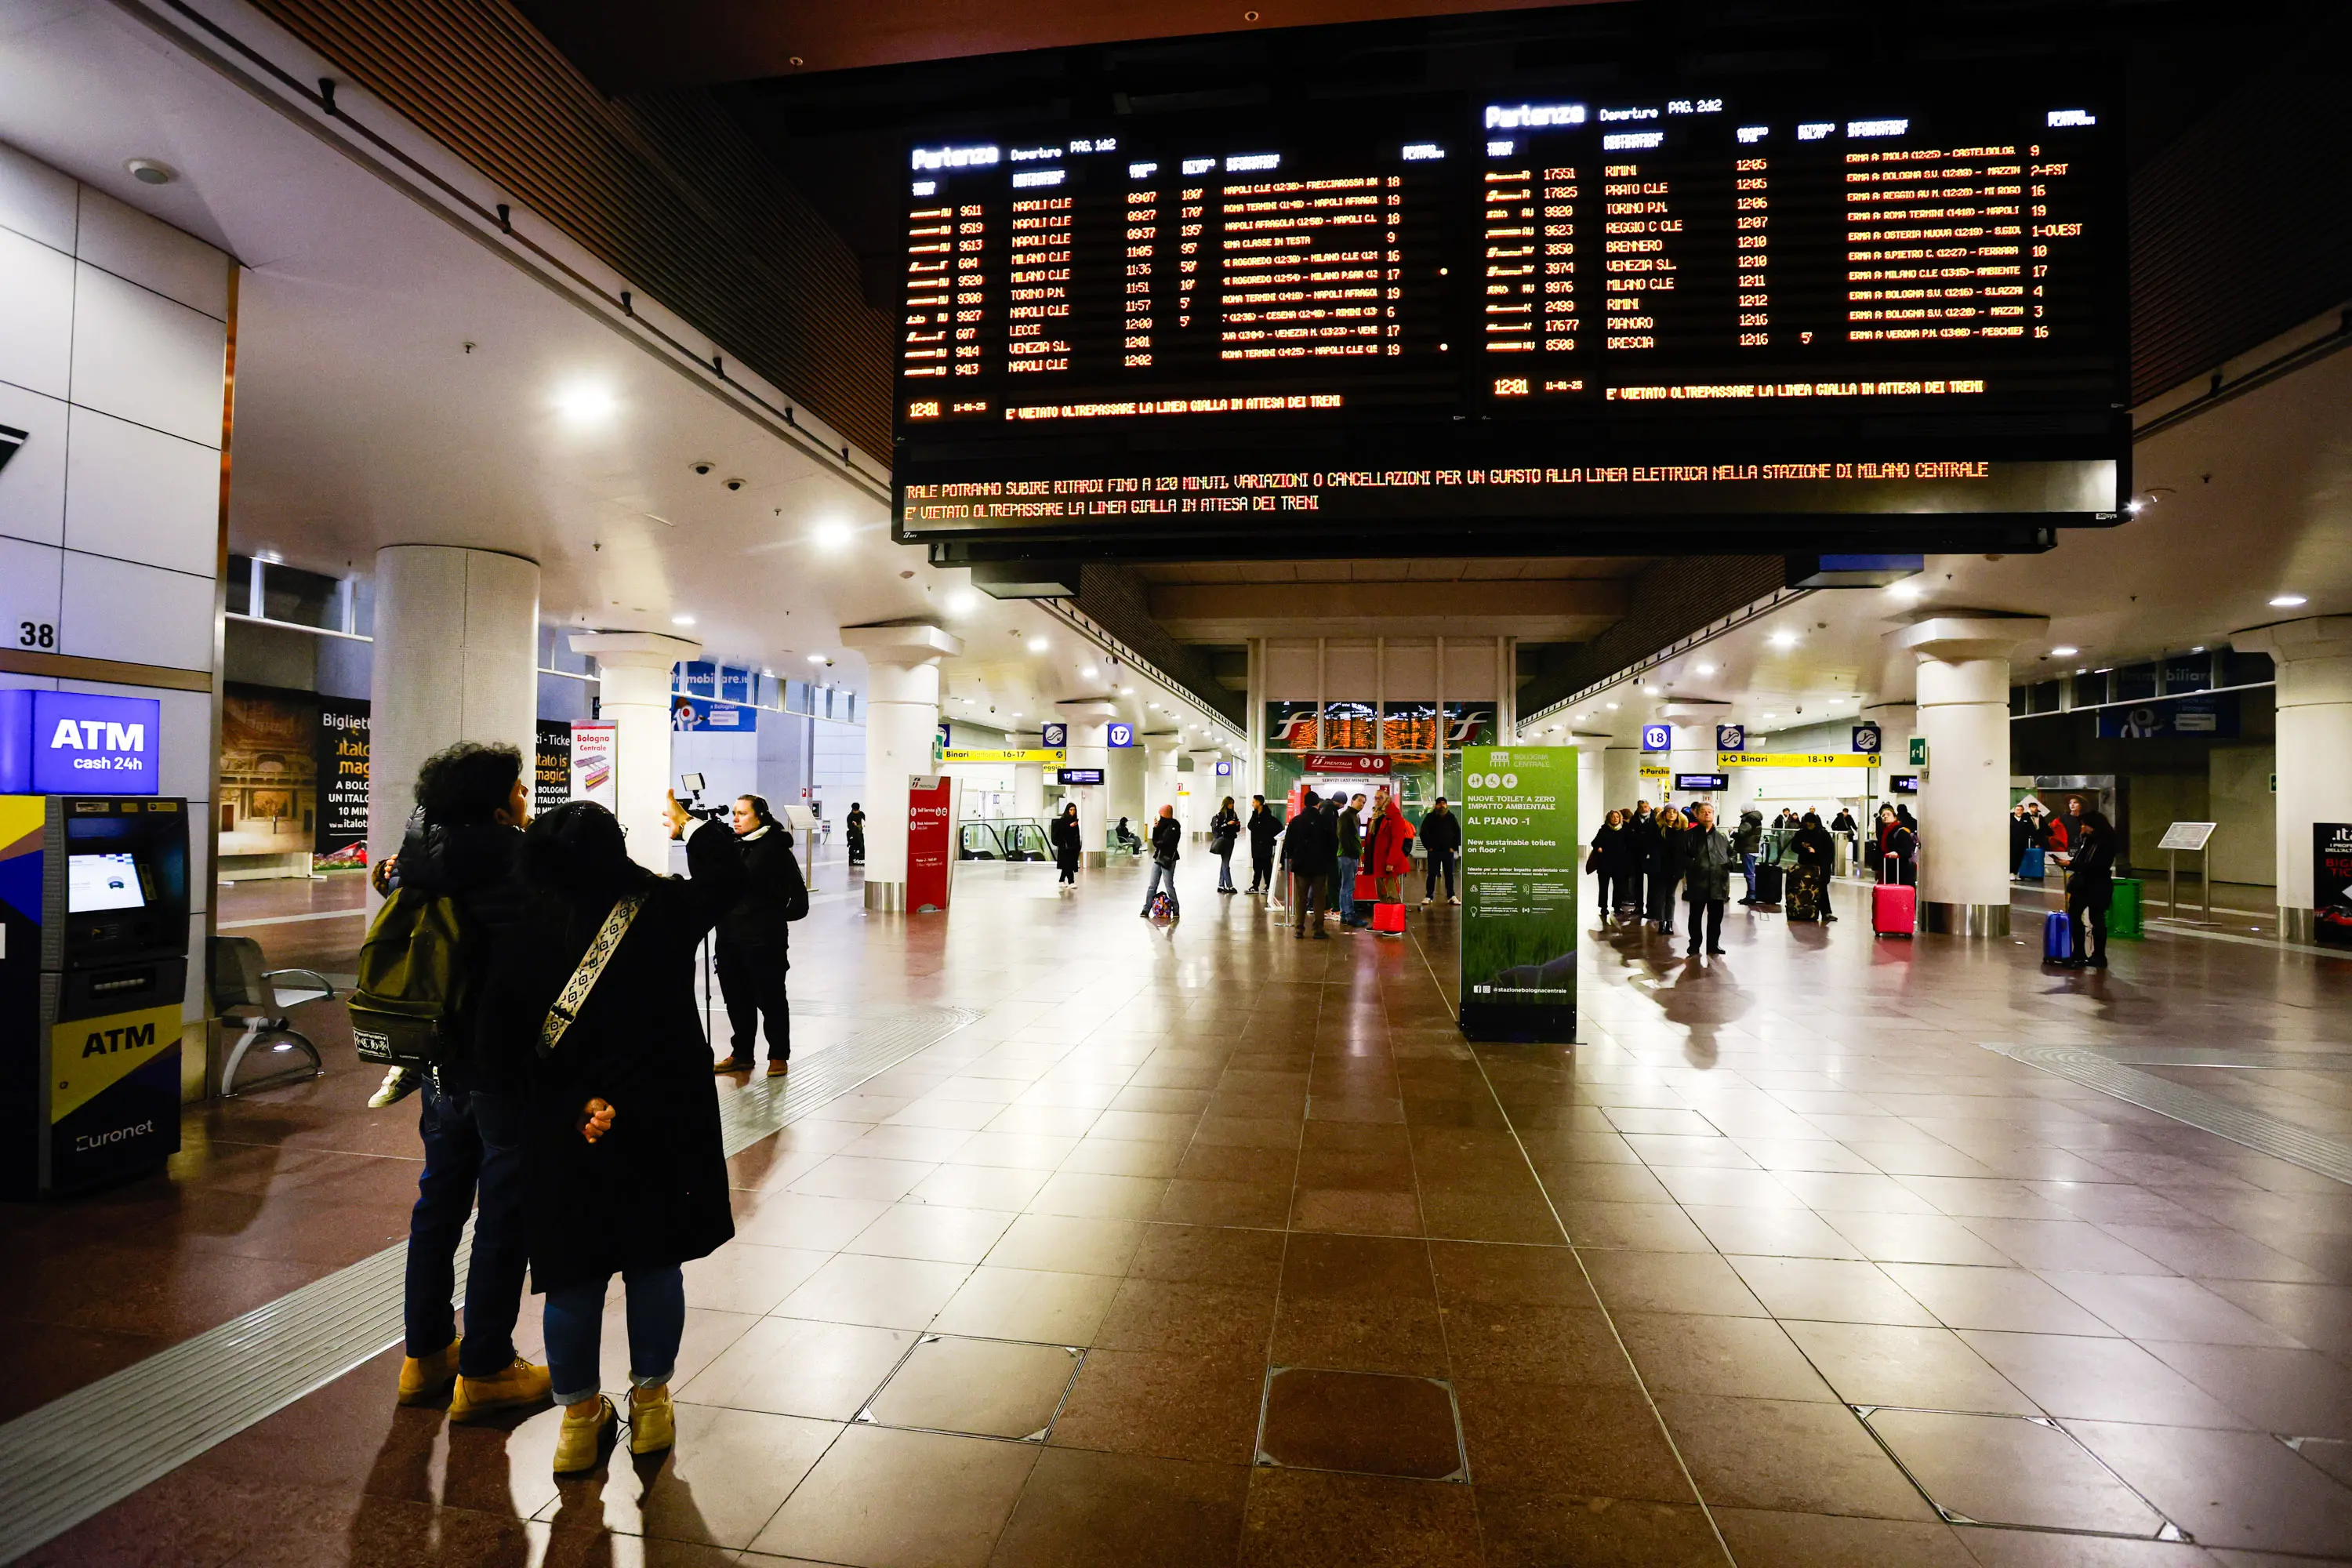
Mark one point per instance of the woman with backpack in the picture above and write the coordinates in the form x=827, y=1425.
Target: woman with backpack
x=755, y=939
x=625, y=1171
x=1224, y=831
x=1067, y=842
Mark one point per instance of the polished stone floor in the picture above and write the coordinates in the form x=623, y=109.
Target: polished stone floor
x=1204, y=1245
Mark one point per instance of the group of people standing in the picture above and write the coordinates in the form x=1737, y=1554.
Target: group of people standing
x=572, y=1104
x=1642, y=856
x=2081, y=839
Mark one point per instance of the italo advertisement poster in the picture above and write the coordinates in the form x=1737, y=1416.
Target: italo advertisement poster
x=340, y=759
x=2331, y=882
x=1519, y=874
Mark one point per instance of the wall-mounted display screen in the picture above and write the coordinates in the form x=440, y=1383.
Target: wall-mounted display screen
x=95, y=883
x=1522, y=313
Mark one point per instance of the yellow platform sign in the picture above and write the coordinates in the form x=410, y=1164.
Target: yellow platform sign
x=1796, y=759
x=973, y=755
x=88, y=1055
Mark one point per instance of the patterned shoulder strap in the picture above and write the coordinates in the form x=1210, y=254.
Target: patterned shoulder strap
x=591, y=965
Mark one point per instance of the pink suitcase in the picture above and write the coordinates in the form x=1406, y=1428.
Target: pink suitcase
x=1893, y=908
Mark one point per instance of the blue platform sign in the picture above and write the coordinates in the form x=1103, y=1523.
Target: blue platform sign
x=1226, y=769
x=75, y=742
x=1731, y=737
x=1055, y=737
x=1866, y=740
x=1657, y=737
x=1118, y=735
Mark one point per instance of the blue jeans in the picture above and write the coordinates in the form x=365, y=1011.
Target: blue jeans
x=1226, y=870
x=1748, y=869
x=575, y=1323
x=1347, y=891
x=1162, y=877
x=473, y=1149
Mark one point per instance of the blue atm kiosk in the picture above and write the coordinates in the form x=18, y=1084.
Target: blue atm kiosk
x=93, y=942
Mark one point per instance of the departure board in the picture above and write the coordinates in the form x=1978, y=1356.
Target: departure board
x=1547, y=314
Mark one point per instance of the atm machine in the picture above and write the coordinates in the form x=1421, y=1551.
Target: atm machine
x=93, y=970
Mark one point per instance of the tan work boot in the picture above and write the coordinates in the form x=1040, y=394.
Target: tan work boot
x=425, y=1380
x=582, y=1441
x=520, y=1383
x=652, y=1420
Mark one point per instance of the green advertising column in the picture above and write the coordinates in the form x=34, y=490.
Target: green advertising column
x=1520, y=864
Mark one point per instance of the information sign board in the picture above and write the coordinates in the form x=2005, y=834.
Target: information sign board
x=985, y=754
x=1520, y=862
x=1796, y=759
x=78, y=742
x=1517, y=309
x=1702, y=782
x=2187, y=836
x=1068, y=776
x=595, y=764
x=930, y=855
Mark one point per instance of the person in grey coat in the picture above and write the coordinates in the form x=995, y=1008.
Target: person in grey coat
x=1707, y=860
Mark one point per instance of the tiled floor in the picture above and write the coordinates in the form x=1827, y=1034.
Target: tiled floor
x=1285, y=1274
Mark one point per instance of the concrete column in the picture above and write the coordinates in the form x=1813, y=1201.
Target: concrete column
x=1208, y=790
x=1124, y=785
x=902, y=716
x=633, y=695
x=1963, y=691
x=1620, y=777
x=1029, y=789
x=455, y=658
x=1088, y=722
x=2314, y=754
x=1591, y=791
x=1159, y=778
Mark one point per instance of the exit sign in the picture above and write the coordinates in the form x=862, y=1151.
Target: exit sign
x=1918, y=751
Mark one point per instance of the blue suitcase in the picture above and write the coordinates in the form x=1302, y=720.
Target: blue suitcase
x=2029, y=865
x=2057, y=937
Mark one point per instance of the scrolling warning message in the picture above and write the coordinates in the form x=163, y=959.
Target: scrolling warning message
x=1524, y=313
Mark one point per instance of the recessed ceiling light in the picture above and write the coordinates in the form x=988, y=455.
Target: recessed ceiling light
x=1707, y=670
x=1127, y=691
x=832, y=535
x=1090, y=672
x=962, y=602
x=1783, y=639
x=2064, y=652
x=1649, y=691
x=586, y=401
x=1036, y=645
x=1771, y=715
x=148, y=172
x=681, y=620
x=2135, y=506
x=817, y=658
x=1017, y=715
x=1906, y=591
x=2286, y=601
x=1613, y=708
x=2198, y=648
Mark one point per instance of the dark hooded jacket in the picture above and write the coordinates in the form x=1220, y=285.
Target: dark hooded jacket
x=474, y=864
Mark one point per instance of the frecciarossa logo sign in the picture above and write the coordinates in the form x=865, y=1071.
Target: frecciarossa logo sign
x=74, y=742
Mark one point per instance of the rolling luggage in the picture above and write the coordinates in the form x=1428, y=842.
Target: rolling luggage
x=2057, y=937
x=1805, y=894
x=2031, y=864
x=1769, y=881
x=1388, y=920
x=1893, y=908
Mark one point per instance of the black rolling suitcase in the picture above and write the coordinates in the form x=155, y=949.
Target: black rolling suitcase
x=1768, y=880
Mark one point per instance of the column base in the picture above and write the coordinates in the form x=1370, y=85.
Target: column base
x=1964, y=919
x=885, y=897
x=2298, y=925
x=1094, y=860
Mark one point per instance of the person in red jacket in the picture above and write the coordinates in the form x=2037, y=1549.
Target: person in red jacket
x=1388, y=849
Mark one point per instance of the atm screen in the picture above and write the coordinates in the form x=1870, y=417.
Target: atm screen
x=95, y=883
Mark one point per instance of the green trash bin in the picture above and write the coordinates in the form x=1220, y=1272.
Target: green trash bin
x=2124, y=914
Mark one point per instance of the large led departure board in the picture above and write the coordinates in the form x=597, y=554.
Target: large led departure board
x=1545, y=316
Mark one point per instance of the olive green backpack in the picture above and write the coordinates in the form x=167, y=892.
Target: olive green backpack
x=412, y=981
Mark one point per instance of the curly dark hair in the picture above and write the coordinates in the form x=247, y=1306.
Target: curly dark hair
x=467, y=782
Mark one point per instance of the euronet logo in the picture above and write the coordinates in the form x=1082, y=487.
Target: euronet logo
x=87, y=1141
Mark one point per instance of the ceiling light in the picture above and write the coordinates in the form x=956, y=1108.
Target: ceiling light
x=1707, y=670
x=2064, y=652
x=1017, y=715
x=1127, y=691
x=962, y=602
x=148, y=172
x=1771, y=715
x=2135, y=506
x=2198, y=648
x=832, y=535
x=2285, y=601
x=1649, y=691
x=1090, y=672
x=817, y=658
x=1613, y=708
x=681, y=620
x=1782, y=639
x=585, y=401
x=1036, y=645
x=1906, y=591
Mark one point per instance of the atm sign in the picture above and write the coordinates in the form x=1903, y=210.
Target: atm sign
x=74, y=742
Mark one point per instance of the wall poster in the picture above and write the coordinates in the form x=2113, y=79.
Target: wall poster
x=1520, y=863
x=2331, y=883
x=595, y=761
x=268, y=801
x=340, y=761
x=550, y=773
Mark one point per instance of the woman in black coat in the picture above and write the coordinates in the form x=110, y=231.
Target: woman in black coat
x=1068, y=839
x=1809, y=883
x=623, y=1163
x=1224, y=831
x=1667, y=853
x=1264, y=828
x=755, y=939
x=2091, y=889
x=1607, y=860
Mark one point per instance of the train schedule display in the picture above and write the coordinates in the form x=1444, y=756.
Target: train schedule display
x=1535, y=313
